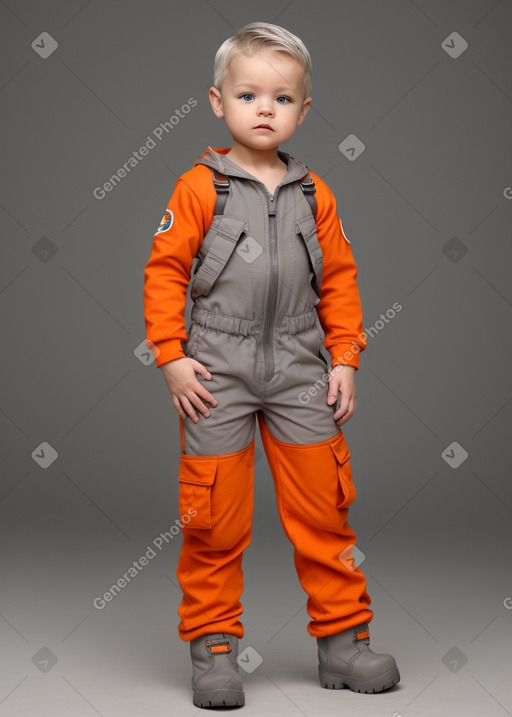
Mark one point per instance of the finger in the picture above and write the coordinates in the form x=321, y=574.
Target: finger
x=343, y=408
x=349, y=413
x=189, y=409
x=196, y=401
x=206, y=395
x=202, y=370
x=341, y=421
x=332, y=394
x=331, y=397
x=177, y=406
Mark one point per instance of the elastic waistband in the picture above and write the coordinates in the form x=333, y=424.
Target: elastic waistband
x=221, y=322
x=300, y=322
x=250, y=327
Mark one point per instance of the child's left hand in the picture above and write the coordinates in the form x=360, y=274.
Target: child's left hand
x=342, y=379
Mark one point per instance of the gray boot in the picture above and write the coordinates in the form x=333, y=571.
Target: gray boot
x=216, y=682
x=347, y=661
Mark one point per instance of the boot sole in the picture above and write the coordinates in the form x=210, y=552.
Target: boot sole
x=333, y=681
x=218, y=698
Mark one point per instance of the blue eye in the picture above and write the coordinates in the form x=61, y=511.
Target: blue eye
x=247, y=94
x=282, y=97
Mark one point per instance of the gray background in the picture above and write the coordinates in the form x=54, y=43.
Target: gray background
x=427, y=207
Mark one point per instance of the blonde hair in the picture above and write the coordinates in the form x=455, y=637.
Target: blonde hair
x=262, y=35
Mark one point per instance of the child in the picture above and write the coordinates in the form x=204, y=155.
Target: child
x=273, y=280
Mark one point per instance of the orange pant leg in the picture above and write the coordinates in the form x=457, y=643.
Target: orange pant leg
x=216, y=492
x=314, y=488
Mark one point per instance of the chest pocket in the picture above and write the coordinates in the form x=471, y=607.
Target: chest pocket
x=306, y=229
x=216, y=249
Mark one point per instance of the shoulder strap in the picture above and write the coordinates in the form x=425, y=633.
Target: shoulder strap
x=308, y=187
x=221, y=184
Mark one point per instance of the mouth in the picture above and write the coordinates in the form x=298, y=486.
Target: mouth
x=264, y=126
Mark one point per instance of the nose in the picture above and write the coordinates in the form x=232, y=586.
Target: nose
x=265, y=108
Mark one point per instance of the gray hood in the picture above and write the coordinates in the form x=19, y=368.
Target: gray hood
x=222, y=163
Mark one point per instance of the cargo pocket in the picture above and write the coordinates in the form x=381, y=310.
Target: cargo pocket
x=196, y=478
x=347, y=489
x=220, y=240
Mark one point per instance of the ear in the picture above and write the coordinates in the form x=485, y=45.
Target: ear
x=216, y=102
x=305, y=107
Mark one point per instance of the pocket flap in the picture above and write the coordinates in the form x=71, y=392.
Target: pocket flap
x=340, y=450
x=228, y=226
x=348, y=489
x=216, y=249
x=197, y=470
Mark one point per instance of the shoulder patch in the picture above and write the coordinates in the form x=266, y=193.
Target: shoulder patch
x=166, y=222
x=343, y=231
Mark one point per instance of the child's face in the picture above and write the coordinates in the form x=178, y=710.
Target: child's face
x=264, y=88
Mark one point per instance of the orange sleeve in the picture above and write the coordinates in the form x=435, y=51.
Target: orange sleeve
x=168, y=270
x=339, y=308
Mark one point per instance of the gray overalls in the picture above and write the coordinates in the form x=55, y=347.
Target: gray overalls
x=254, y=322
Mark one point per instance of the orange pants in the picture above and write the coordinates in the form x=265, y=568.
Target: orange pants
x=314, y=488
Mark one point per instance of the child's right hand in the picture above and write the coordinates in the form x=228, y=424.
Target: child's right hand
x=187, y=392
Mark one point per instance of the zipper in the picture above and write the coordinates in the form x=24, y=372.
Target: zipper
x=268, y=326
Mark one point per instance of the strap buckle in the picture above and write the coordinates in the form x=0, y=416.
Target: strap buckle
x=221, y=181
x=307, y=184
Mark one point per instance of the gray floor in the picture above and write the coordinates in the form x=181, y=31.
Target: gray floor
x=62, y=656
